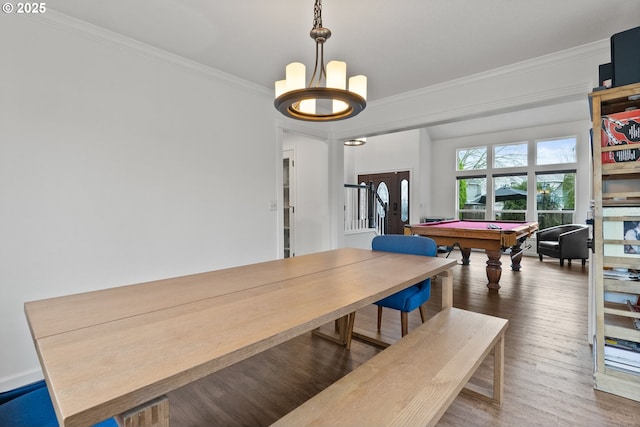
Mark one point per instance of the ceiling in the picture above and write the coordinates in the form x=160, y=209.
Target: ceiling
x=400, y=45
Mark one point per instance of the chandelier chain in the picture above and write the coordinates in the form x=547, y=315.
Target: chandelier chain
x=317, y=14
x=319, y=34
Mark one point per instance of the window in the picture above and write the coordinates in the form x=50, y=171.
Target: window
x=510, y=197
x=471, y=203
x=510, y=155
x=555, y=198
x=515, y=173
x=404, y=200
x=383, y=192
x=556, y=151
x=472, y=159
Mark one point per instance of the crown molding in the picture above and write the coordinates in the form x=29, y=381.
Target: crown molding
x=445, y=102
x=114, y=40
x=462, y=112
x=594, y=49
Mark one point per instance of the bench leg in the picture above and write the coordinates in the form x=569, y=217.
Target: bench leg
x=498, y=378
x=498, y=371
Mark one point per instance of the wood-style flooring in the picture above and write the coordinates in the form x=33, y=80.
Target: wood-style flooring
x=548, y=361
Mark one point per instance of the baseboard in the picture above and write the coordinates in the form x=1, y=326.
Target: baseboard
x=18, y=380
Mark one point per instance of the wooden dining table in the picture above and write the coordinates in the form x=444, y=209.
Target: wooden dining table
x=118, y=351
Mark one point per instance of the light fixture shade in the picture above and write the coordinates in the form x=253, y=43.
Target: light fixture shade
x=295, y=74
x=358, y=84
x=337, y=79
x=281, y=87
x=337, y=74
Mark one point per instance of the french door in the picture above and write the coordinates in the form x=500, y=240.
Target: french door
x=393, y=188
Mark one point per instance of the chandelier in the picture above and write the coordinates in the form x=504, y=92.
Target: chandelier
x=326, y=98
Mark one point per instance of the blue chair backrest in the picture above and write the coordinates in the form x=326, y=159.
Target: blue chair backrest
x=30, y=406
x=412, y=245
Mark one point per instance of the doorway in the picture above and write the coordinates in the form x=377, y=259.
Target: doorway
x=288, y=202
x=393, y=188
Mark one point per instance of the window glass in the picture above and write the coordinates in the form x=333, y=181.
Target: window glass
x=556, y=151
x=471, y=158
x=471, y=191
x=510, y=197
x=555, y=198
x=383, y=192
x=404, y=200
x=510, y=155
x=511, y=216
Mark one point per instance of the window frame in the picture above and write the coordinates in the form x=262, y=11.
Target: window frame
x=531, y=171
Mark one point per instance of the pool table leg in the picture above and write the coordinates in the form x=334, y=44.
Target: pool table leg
x=494, y=269
x=466, y=252
x=516, y=256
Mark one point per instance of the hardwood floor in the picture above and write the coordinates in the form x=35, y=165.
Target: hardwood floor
x=548, y=362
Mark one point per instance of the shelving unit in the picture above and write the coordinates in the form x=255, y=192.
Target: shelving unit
x=616, y=188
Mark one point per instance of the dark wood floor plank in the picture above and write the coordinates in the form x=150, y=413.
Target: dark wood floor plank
x=548, y=361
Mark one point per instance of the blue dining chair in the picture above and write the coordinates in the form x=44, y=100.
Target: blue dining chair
x=416, y=295
x=30, y=406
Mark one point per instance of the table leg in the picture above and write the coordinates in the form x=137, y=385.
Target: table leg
x=516, y=256
x=466, y=253
x=494, y=269
x=339, y=336
x=150, y=414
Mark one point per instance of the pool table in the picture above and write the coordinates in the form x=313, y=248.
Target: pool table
x=492, y=236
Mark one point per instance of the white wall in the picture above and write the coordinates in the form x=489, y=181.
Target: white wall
x=119, y=164
x=311, y=198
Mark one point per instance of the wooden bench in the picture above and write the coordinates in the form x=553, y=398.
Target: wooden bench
x=412, y=382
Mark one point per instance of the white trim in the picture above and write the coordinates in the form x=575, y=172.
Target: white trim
x=114, y=40
x=542, y=62
x=21, y=379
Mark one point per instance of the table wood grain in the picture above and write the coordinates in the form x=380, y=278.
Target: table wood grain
x=107, y=351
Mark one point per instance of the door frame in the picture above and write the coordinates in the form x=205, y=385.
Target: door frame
x=393, y=181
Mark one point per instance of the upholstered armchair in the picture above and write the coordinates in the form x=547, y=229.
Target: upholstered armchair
x=569, y=241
